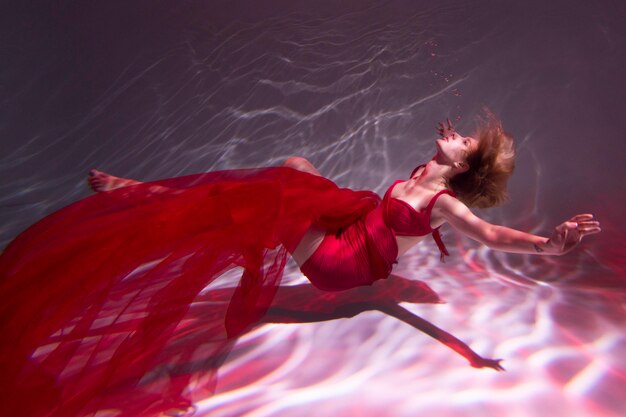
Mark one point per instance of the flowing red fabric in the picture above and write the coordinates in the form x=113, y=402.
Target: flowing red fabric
x=96, y=299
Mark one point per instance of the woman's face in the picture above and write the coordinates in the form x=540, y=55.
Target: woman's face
x=455, y=147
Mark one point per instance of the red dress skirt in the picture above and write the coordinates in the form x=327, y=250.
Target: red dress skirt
x=99, y=301
x=353, y=256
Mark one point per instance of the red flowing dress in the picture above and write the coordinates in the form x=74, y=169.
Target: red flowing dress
x=97, y=306
x=366, y=250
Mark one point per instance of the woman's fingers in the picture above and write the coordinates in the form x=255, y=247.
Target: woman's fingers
x=443, y=128
x=581, y=222
x=569, y=234
x=589, y=224
x=582, y=217
x=589, y=230
x=585, y=224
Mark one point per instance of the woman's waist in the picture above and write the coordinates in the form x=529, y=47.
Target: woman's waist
x=364, y=236
x=369, y=233
x=407, y=242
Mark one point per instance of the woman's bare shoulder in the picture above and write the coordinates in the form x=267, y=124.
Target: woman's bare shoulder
x=445, y=203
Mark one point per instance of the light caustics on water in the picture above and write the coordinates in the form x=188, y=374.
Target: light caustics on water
x=345, y=94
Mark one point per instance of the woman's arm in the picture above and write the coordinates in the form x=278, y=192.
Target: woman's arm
x=566, y=236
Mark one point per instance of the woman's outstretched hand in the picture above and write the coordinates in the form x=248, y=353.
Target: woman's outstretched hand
x=444, y=129
x=568, y=234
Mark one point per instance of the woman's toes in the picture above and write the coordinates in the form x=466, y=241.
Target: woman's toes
x=97, y=180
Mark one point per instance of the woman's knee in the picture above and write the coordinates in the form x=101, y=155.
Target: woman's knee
x=296, y=162
x=301, y=164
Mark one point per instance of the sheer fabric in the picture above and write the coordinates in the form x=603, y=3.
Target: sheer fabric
x=99, y=301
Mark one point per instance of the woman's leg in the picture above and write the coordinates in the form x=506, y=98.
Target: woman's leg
x=311, y=240
x=314, y=236
x=101, y=181
x=301, y=164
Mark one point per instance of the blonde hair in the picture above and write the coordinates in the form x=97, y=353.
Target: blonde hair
x=490, y=166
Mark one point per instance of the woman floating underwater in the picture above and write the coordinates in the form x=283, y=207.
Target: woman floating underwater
x=104, y=304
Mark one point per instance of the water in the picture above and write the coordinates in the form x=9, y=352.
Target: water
x=158, y=90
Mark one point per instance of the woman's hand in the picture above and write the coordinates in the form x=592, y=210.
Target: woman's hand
x=445, y=129
x=568, y=234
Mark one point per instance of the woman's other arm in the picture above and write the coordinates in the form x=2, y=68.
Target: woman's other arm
x=565, y=237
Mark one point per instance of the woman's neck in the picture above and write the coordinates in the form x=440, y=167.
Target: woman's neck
x=435, y=175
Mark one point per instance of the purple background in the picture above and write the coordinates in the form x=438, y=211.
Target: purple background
x=150, y=90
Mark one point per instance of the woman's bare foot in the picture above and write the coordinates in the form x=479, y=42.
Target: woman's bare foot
x=101, y=181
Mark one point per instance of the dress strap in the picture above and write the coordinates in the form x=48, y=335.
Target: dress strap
x=436, y=234
x=433, y=200
x=442, y=248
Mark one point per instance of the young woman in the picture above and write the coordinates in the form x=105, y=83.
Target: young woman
x=465, y=172
x=98, y=298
